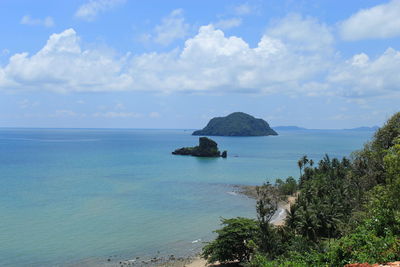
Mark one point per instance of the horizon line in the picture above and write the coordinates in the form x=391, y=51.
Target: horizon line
x=130, y=128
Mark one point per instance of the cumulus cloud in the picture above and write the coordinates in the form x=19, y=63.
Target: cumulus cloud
x=381, y=21
x=225, y=24
x=46, y=22
x=62, y=66
x=294, y=56
x=209, y=61
x=91, y=9
x=361, y=76
x=172, y=27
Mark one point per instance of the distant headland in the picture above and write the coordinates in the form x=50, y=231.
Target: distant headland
x=296, y=128
x=236, y=124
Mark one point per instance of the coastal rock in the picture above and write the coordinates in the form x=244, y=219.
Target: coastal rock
x=206, y=148
x=236, y=124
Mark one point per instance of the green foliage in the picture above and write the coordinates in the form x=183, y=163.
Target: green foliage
x=267, y=202
x=234, y=241
x=287, y=187
x=385, y=137
x=293, y=259
x=236, y=124
x=347, y=211
x=364, y=246
x=267, y=205
x=368, y=165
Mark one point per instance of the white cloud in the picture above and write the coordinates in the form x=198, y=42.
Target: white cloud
x=172, y=27
x=46, y=22
x=381, y=21
x=294, y=56
x=302, y=33
x=210, y=61
x=360, y=76
x=225, y=24
x=91, y=9
x=62, y=66
x=243, y=9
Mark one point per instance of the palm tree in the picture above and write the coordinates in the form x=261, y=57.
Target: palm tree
x=305, y=160
x=291, y=217
x=300, y=164
x=307, y=224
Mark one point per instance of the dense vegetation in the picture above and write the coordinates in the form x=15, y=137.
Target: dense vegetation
x=347, y=211
x=236, y=124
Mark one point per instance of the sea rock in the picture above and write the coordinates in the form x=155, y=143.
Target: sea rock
x=206, y=148
x=224, y=154
x=236, y=124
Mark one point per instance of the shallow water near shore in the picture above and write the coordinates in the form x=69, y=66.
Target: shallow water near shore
x=69, y=195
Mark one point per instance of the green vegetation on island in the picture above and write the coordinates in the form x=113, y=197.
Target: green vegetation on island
x=236, y=124
x=346, y=211
x=206, y=148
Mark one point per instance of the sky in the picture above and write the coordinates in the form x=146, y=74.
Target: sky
x=326, y=64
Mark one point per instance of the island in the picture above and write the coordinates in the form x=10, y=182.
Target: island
x=206, y=148
x=236, y=124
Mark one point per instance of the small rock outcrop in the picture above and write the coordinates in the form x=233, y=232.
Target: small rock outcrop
x=236, y=124
x=206, y=148
x=224, y=154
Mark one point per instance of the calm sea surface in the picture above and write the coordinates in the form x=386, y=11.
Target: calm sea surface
x=72, y=195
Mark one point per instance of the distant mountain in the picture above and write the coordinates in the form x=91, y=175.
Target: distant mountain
x=289, y=128
x=236, y=124
x=364, y=128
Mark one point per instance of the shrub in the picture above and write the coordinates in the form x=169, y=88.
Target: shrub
x=234, y=241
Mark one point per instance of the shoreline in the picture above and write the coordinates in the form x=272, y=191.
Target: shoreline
x=188, y=260
x=277, y=220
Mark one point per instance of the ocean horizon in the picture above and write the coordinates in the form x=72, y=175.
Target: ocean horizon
x=73, y=195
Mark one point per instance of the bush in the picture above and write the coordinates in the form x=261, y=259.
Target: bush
x=288, y=187
x=363, y=246
x=234, y=241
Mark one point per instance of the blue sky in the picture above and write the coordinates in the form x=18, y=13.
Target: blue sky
x=176, y=64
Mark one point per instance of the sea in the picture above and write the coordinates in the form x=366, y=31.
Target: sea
x=81, y=197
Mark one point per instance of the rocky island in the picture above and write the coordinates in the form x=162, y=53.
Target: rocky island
x=236, y=124
x=206, y=148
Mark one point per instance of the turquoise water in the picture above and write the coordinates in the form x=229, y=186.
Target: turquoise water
x=68, y=195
